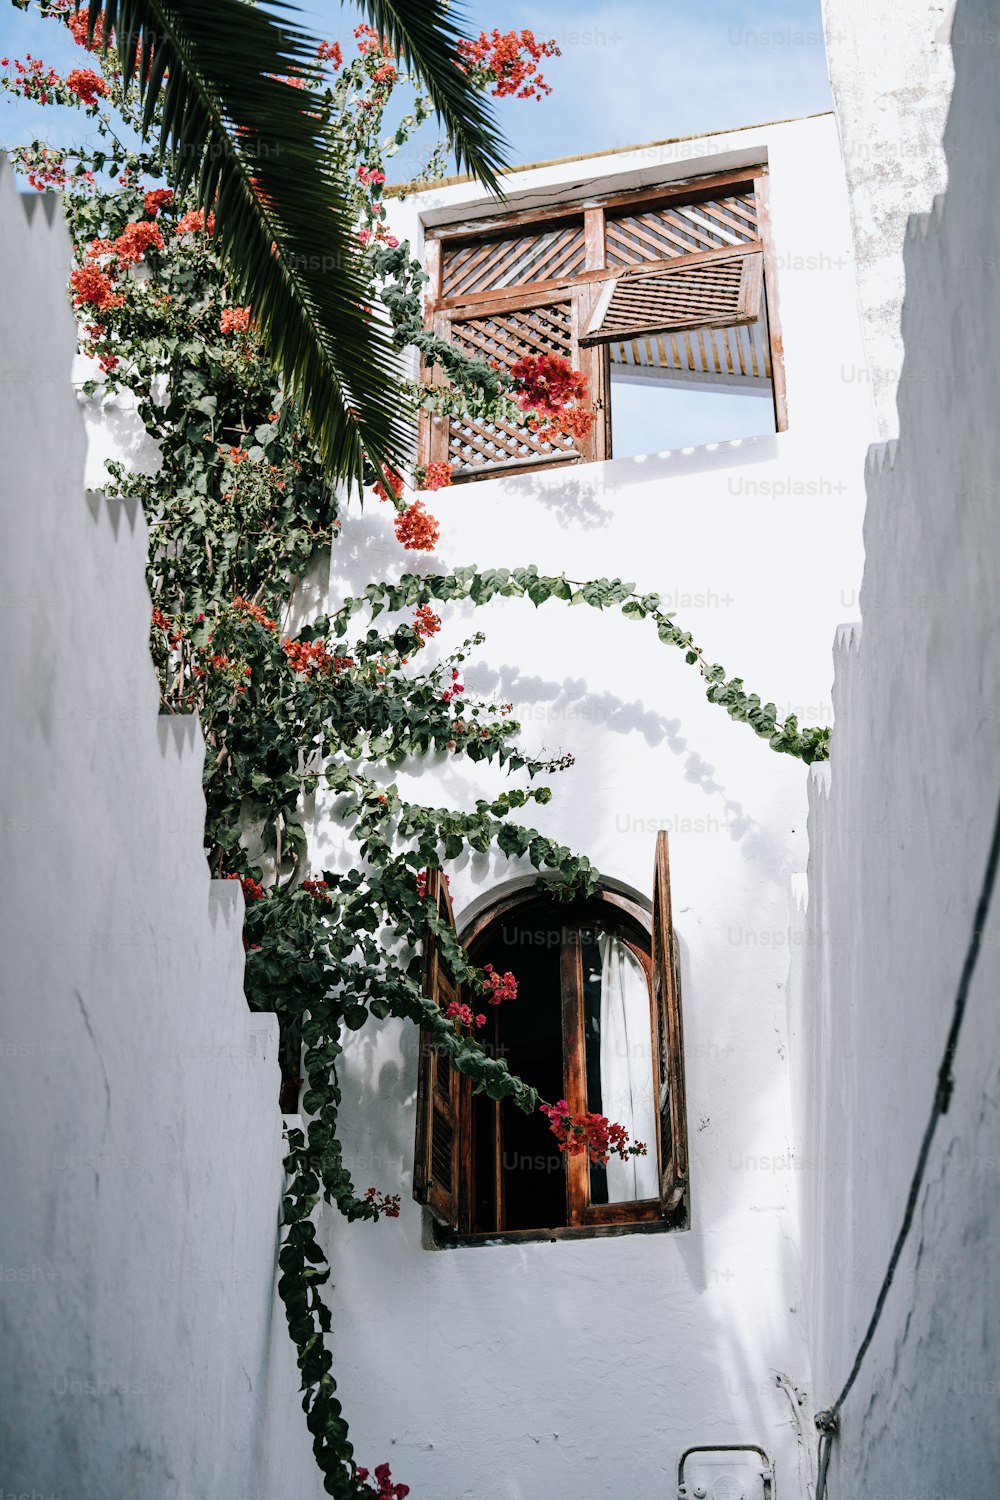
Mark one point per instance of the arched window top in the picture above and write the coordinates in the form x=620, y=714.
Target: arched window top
x=597, y=1022
x=610, y=899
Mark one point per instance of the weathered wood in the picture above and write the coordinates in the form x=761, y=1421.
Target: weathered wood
x=488, y=264
x=574, y=1074
x=762, y=192
x=690, y=189
x=437, y=1148
x=669, y=1039
x=515, y=296
x=643, y=304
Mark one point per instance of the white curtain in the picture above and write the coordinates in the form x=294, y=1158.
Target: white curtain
x=627, y=1069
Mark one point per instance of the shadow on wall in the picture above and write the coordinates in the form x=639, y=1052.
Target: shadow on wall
x=571, y=701
x=114, y=430
x=575, y=495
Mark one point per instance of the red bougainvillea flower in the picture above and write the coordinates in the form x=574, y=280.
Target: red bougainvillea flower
x=33, y=80
x=498, y=987
x=549, y=387
x=245, y=607
x=307, y=657
x=234, y=320
x=162, y=621
x=417, y=529
x=388, y=1204
x=422, y=884
x=395, y=482
x=509, y=61
x=463, y=1015
x=87, y=85
x=251, y=890
x=195, y=219
x=95, y=287
x=156, y=199
x=591, y=1133
x=47, y=168
x=368, y=40
x=371, y=176
x=135, y=239
x=456, y=687
x=330, y=52
x=318, y=889
x=426, y=622
x=435, y=476
x=385, y=1490
x=78, y=23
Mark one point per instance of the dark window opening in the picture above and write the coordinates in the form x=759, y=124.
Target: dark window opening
x=596, y=1022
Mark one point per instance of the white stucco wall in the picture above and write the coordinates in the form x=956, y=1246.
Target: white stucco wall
x=144, y=1353
x=900, y=824
x=891, y=76
x=586, y=1368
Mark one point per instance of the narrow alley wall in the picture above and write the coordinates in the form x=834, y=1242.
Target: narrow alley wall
x=891, y=76
x=144, y=1354
x=900, y=826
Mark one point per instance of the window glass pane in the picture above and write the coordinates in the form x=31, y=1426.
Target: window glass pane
x=619, y=1057
x=651, y=415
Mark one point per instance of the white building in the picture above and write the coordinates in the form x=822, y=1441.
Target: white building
x=551, y=1357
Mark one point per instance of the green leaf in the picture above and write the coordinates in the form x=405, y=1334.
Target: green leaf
x=247, y=140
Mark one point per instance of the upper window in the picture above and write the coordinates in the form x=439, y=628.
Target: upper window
x=660, y=299
x=597, y=1021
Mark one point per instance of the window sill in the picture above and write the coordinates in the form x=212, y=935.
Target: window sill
x=439, y=1238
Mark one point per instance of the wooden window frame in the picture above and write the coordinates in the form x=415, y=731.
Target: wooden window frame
x=585, y=289
x=651, y=937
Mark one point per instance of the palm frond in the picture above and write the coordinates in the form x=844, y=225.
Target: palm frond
x=425, y=34
x=251, y=145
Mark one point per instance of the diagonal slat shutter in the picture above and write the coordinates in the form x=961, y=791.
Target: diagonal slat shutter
x=671, y=1105
x=501, y=335
x=437, y=1153
x=718, y=293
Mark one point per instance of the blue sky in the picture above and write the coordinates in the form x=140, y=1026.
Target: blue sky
x=630, y=72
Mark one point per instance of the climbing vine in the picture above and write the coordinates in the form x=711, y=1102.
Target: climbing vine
x=239, y=509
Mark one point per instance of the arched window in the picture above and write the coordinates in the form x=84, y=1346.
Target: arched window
x=597, y=1021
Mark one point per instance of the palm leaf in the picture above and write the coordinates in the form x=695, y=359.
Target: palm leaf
x=251, y=146
x=424, y=34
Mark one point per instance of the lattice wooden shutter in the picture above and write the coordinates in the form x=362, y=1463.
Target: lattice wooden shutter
x=515, y=260
x=718, y=293
x=671, y=1103
x=501, y=335
x=437, y=1154
x=681, y=229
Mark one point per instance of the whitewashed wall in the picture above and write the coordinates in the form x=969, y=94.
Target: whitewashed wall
x=900, y=824
x=586, y=1368
x=144, y=1353
x=891, y=77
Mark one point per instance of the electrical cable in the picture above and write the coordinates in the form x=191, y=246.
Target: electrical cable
x=828, y=1421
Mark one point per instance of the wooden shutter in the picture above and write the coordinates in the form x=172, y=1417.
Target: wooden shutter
x=669, y=1060
x=717, y=293
x=536, y=253
x=437, y=1154
x=679, y=228
x=501, y=334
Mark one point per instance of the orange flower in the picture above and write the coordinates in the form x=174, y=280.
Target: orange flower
x=417, y=529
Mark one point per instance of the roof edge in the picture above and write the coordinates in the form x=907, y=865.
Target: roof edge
x=405, y=189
